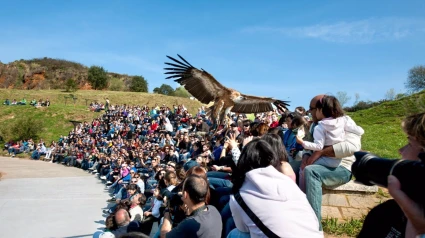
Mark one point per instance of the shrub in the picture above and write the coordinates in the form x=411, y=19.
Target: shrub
x=71, y=85
x=138, y=84
x=97, y=77
x=115, y=84
x=26, y=128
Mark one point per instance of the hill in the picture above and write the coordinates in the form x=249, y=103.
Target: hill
x=382, y=124
x=54, y=120
x=48, y=73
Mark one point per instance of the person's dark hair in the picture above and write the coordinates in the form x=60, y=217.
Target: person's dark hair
x=158, y=173
x=300, y=110
x=181, y=173
x=276, y=143
x=256, y=154
x=330, y=107
x=142, y=200
x=123, y=205
x=171, y=177
x=273, y=130
x=133, y=187
x=197, y=187
x=110, y=223
x=298, y=121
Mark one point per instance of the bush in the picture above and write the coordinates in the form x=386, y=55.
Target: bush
x=23, y=128
x=71, y=85
x=138, y=84
x=97, y=77
x=115, y=84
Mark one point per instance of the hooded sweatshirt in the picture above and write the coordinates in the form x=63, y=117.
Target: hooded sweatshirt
x=331, y=131
x=278, y=203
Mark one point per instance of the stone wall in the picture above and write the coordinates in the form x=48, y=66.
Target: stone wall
x=350, y=200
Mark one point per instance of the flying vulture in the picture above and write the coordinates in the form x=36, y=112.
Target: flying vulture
x=204, y=87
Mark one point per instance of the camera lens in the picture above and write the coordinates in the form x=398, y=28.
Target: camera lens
x=369, y=169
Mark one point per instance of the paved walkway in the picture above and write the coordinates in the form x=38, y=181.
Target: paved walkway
x=40, y=199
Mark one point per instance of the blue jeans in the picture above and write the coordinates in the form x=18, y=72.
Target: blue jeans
x=235, y=233
x=317, y=176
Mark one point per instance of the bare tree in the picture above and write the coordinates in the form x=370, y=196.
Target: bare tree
x=356, y=97
x=390, y=94
x=343, y=98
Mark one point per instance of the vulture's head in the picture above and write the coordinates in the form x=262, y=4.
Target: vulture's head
x=236, y=96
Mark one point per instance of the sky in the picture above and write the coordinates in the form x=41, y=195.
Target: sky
x=289, y=50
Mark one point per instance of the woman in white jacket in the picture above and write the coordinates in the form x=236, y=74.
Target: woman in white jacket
x=272, y=196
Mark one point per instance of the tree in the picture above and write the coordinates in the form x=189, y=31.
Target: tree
x=390, y=94
x=97, y=77
x=164, y=89
x=357, y=97
x=115, y=84
x=416, y=79
x=71, y=85
x=138, y=84
x=181, y=92
x=343, y=98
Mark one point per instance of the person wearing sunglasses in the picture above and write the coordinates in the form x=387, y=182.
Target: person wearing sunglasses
x=171, y=166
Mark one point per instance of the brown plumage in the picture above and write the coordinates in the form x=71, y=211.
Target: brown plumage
x=204, y=87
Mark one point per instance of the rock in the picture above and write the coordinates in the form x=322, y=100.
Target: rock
x=337, y=200
x=355, y=213
x=331, y=212
x=362, y=201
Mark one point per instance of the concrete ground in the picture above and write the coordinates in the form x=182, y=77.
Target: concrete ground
x=41, y=199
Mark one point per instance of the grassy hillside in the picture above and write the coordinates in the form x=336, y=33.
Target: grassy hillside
x=54, y=120
x=382, y=124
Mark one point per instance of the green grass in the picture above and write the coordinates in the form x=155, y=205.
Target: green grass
x=350, y=228
x=382, y=124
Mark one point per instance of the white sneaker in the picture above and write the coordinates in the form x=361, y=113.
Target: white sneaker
x=103, y=177
x=108, y=183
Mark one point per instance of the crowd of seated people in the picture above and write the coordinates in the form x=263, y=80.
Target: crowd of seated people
x=96, y=106
x=156, y=161
x=144, y=155
x=35, y=103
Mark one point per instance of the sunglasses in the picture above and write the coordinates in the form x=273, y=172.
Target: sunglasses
x=133, y=181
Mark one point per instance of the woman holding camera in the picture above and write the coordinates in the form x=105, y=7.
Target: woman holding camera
x=400, y=217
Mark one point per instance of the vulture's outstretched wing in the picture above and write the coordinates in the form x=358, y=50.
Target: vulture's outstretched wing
x=202, y=85
x=254, y=104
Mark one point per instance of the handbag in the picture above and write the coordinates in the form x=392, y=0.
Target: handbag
x=253, y=217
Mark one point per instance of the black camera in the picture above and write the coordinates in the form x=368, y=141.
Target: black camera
x=370, y=169
x=174, y=208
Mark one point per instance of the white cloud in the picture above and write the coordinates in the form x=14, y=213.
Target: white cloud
x=361, y=32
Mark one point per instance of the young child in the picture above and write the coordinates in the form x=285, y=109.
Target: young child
x=153, y=214
x=331, y=129
x=295, y=123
